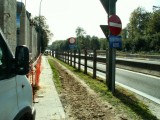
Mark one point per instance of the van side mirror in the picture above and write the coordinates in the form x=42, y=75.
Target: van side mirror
x=22, y=60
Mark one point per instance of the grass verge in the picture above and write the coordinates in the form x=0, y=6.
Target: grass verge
x=56, y=77
x=123, y=100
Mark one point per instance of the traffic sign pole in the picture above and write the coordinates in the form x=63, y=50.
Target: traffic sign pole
x=112, y=53
x=110, y=8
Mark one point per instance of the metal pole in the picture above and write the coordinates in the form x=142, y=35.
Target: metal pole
x=85, y=62
x=112, y=53
x=39, y=27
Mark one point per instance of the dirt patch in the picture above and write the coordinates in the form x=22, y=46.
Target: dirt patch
x=80, y=102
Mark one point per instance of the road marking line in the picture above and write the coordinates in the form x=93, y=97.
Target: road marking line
x=140, y=93
x=140, y=73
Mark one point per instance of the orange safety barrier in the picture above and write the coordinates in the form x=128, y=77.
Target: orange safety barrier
x=34, y=74
x=38, y=71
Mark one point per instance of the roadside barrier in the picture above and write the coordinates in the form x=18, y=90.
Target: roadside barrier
x=34, y=74
x=80, y=59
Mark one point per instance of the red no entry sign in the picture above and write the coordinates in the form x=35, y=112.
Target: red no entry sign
x=115, y=25
x=72, y=40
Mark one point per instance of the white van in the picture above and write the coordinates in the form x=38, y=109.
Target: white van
x=15, y=90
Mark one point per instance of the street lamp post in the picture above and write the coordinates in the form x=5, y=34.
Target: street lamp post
x=39, y=27
x=40, y=8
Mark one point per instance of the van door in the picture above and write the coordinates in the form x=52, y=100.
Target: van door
x=24, y=92
x=8, y=94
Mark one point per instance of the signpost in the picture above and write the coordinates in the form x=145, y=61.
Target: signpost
x=115, y=26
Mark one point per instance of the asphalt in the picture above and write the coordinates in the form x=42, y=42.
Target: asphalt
x=47, y=103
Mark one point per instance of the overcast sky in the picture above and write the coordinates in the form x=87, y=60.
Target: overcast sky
x=64, y=16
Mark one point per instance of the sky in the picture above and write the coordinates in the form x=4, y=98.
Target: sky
x=64, y=16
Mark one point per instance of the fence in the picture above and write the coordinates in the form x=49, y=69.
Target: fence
x=75, y=59
x=34, y=74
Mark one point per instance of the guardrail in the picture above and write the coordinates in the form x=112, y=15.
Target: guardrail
x=74, y=59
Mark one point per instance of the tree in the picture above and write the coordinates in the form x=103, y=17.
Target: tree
x=43, y=32
x=138, y=22
x=103, y=43
x=95, y=43
x=88, y=42
x=60, y=45
x=154, y=24
x=137, y=35
x=80, y=32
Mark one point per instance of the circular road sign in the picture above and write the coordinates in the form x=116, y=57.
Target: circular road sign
x=114, y=24
x=72, y=40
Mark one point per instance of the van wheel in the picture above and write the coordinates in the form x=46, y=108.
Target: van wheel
x=27, y=116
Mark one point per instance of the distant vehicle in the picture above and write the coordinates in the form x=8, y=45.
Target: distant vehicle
x=15, y=89
x=47, y=52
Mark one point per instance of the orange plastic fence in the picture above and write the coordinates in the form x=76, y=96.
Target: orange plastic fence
x=38, y=71
x=34, y=74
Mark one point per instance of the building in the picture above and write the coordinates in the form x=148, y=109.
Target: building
x=16, y=24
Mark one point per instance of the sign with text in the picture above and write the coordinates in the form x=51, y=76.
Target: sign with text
x=115, y=41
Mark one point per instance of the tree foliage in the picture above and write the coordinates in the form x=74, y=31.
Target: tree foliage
x=44, y=34
x=83, y=42
x=142, y=32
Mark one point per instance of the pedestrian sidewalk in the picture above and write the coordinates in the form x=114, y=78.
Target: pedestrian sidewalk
x=48, y=105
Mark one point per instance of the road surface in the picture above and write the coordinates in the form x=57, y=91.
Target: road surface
x=142, y=84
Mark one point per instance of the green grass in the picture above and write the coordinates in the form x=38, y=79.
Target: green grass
x=122, y=100
x=56, y=77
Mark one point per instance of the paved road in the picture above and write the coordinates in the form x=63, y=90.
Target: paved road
x=145, y=85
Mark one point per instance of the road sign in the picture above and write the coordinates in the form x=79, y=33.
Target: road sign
x=105, y=30
x=109, y=5
x=115, y=41
x=115, y=25
x=72, y=40
x=72, y=46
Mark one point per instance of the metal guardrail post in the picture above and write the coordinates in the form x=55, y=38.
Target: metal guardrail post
x=74, y=59
x=68, y=58
x=85, y=62
x=94, y=63
x=56, y=54
x=53, y=53
x=71, y=58
x=65, y=56
x=79, y=60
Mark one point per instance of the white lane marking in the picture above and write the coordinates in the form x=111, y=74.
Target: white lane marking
x=115, y=24
x=140, y=93
x=139, y=73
